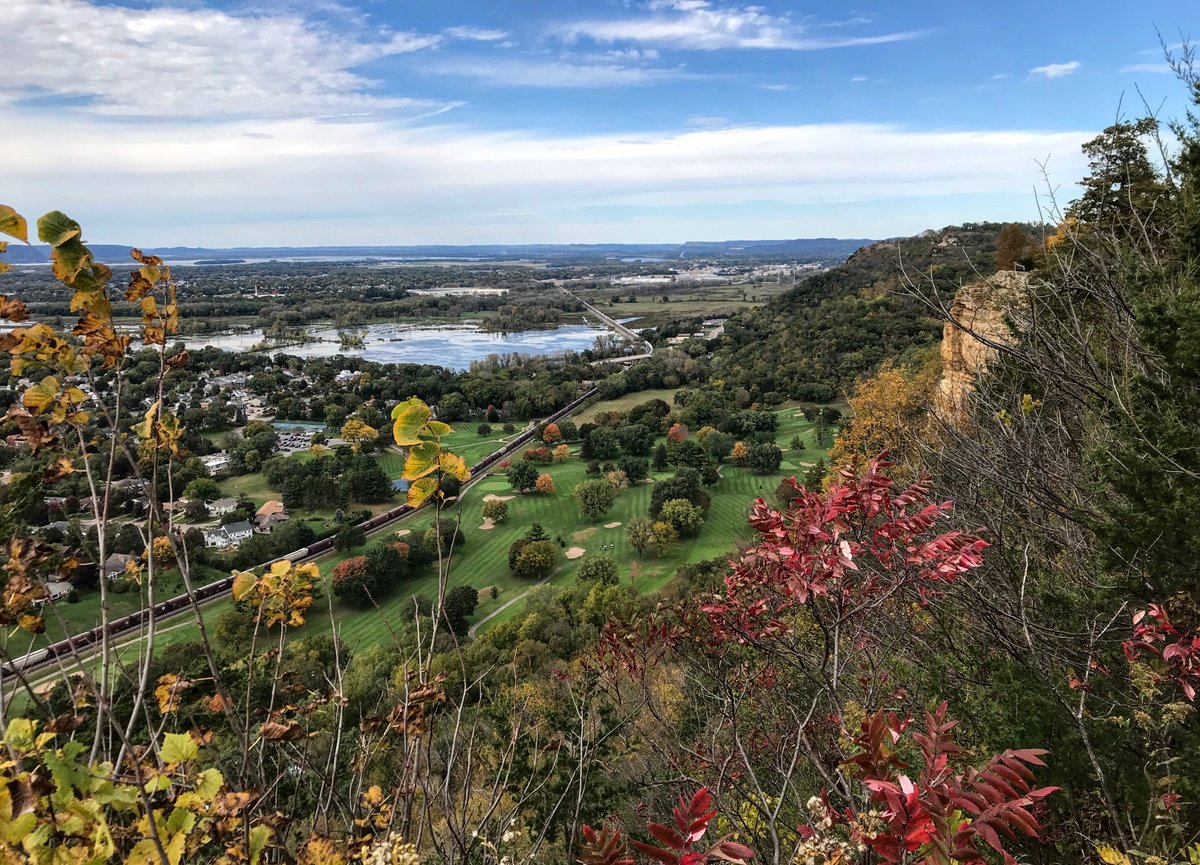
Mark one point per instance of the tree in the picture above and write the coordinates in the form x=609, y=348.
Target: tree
x=677, y=433
x=797, y=444
x=349, y=537
x=739, y=454
x=568, y=430
x=815, y=476
x=889, y=409
x=764, y=458
x=601, y=444
x=352, y=581
x=536, y=559
x=484, y=429
x=357, y=433
x=595, y=568
x=562, y=452
x=545, y=485
x=660, y=457
x=1011, y=243
x=522, y=476
x=459, y=604
x=617, y=479
x=684, y=516
x=594, y=498
x=663, y=535
x=635, y=468
x=535, y=532
x=386, y=564
x=202, y=489
x=495, y=510
x=640, y=533
x=552, y=434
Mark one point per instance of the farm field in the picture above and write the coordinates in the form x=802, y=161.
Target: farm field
x=714, y=301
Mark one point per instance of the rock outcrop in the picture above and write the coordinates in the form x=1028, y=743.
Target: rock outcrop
x=983, y=312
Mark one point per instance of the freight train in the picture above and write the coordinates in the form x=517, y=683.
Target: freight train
x=127, y=624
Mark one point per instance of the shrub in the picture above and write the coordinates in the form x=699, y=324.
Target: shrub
x=495, y=510
x=484, y=429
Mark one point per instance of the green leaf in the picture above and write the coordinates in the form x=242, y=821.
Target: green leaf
x=19, y=734
x=420, y=491
x=410, y=417
x=13, y=224
x=209, y=783
x=69, y=259
x=259, y=836
x=178, y=748
x=56, y=228
x=422, y=459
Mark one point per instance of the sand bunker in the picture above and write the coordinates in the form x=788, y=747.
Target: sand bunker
x=611, y=525
x=574, y=552
x=403, y=533
x=488, y=525
x=492, y=497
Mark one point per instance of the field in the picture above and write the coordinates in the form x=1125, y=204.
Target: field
x=714, y=301
x=622, y=404
x=482, y=561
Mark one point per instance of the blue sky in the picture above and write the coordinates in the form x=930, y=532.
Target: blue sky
x=395, y=121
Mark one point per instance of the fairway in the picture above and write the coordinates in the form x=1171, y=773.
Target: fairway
x=482, y=561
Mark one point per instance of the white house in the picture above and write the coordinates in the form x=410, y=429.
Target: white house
x=228, y=536
x=222, y=506
x=217, y=462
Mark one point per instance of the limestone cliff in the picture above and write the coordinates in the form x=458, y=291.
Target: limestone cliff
x=983, y=311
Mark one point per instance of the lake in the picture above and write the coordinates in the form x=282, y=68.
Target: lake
x=453, y=346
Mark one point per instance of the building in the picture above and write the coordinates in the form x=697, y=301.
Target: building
x=114, y=565
x=228, y=536
x=222, y=506
x=217, y=462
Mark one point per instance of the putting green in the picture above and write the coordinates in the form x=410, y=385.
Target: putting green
x=494, y=485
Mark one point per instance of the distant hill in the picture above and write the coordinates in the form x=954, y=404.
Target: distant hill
x=804, y=249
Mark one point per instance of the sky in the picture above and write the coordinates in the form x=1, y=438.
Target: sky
x=350, y=122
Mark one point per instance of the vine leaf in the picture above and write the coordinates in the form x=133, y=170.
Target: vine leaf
x=13, y=224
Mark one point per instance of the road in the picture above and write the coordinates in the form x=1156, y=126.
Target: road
x=619, y=328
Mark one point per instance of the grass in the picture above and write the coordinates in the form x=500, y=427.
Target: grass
x=714, y=301
x=482, y=561
x=623, y=404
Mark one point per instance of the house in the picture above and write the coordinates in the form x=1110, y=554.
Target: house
x=222, y=506
x=54, y=591
x=217, y=462
x=267, y=524
x=114, y=565
x=228, y=536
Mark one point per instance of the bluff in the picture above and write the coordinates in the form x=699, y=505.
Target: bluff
x=981, y=319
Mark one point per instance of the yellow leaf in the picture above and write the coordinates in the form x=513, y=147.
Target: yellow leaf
x=421, y=490
x=209, y=783
x=409, y=419
x=243, y=584
x=178, y=748
x=39, y=397
x=145, y=429
x=454, y=466
x=1110, y=855
x=438, y=429
x=13, y=224
x=422, y=459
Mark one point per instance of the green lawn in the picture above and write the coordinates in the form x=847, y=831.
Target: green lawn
x=623, y=404
x=482, y=561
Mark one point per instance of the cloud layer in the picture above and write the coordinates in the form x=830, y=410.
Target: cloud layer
x=381, y=184
x=183, y=62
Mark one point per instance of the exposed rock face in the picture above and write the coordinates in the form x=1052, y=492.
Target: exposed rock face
x=983, y=311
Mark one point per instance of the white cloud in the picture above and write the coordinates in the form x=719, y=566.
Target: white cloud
x=1056, y=70
x=379, y=183
x=777, y=87
x=476, y=34
x=557, y=73
x=184, y=62
x=1153, y=68
x=859, y=79
x=699, y=25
